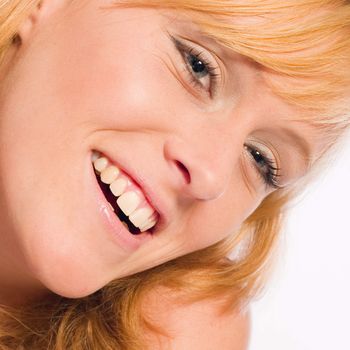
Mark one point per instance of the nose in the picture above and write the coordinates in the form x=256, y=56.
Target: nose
x=202, y=166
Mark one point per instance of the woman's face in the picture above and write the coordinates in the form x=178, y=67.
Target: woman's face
x=193, y=129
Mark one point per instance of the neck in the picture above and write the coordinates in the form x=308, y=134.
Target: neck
x=18, y=289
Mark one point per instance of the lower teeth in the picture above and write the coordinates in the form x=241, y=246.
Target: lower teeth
x=111, y=206
x=128, y=225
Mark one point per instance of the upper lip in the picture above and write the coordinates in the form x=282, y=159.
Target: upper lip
x=153, y=198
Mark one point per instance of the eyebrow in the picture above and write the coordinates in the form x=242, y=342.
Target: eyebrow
x=300, y=143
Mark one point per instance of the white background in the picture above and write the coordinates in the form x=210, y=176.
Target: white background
x=306, y=305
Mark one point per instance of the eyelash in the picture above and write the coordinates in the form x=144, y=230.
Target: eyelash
x=187, y=51
x=270, y=177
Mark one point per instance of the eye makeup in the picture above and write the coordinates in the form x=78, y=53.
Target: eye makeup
x=202, y=70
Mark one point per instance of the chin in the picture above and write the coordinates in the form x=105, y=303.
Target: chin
x=70, y=281
x=66, y=264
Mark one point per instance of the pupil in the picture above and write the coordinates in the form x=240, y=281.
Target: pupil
x=258, y=157
x=197, y=65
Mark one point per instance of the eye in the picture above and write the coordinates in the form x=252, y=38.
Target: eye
x=265, y=164
x=202, y=69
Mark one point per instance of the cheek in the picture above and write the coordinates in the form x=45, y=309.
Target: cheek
x=221, y=218
x=105, y=77
x=121, y=93
x=104, y=94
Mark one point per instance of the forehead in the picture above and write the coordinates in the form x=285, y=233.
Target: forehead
x=304, y=45
x=282, y=109
x=303, y=57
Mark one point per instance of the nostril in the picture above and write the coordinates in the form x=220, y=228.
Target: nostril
x=184, y=171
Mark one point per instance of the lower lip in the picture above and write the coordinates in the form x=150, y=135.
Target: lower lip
x=114, y=226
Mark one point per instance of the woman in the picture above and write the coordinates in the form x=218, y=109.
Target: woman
x=193, y=123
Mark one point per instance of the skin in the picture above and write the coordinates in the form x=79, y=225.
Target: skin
x=84, y=78
x=200, y=325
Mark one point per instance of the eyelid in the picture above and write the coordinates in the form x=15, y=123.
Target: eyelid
x=185, y=44
x=266, y=150
x=269, y=153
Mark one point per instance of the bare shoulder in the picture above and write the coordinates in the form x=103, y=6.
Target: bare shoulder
x=200, y=325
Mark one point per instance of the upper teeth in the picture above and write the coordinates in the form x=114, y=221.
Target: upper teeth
x=109, y=174
x=131, y=200
x=118, y=186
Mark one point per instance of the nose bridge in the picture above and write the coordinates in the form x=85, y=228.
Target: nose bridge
x=204, y=153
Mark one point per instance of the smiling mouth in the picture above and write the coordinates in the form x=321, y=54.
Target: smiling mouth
x=125, y=197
